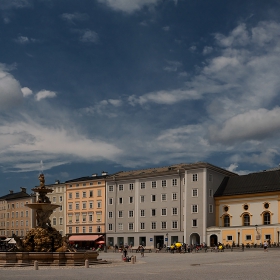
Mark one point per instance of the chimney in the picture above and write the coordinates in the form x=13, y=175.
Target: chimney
x=94, y=175
x=23, y=189
x=57, y=182
x=104, y=173
x=11, y=192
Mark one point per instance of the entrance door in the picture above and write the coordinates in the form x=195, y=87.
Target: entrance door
x=142, y=240
x=213, y=240
x=159, y=241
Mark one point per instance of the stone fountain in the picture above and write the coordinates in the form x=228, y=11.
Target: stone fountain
x=44, y=243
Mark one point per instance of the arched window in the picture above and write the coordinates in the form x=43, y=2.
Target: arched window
x=266, y=218
x=226, y=221
x=246, y=220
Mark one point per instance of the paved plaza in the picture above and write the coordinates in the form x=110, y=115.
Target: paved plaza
x=250, y=264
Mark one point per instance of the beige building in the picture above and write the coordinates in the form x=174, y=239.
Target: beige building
x=58, y=197
x=247, y=210
x=15, y=217
x=85, y=208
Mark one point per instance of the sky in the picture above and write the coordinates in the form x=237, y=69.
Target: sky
x=109, y=85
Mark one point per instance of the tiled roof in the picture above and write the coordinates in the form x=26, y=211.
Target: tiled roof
x=14, y=196
x=260, y=182
x=86, y=178
x=168, y=169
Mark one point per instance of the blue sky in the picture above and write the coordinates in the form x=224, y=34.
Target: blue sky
x=108, y=85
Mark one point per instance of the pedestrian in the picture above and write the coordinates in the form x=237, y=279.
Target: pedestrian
x=265, y=244
x=142, y=251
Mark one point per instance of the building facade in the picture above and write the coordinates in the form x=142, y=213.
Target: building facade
x=85, y=208
x=247, y=210
x=162, y=205
x=15, y=217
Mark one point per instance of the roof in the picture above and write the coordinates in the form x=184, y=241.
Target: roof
x=171, y=169
x=87, y=178
x=260, y=182
x=14, y=196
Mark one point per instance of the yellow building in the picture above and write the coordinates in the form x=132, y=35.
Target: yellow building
x=85, y=209
x=247, y=210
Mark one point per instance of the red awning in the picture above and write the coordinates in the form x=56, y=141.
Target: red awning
x=100, y=242
x=84, y=237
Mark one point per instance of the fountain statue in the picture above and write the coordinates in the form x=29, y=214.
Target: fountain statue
x=44, y=243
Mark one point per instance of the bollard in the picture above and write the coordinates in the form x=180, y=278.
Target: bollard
x=86, y=263
x=132, y=260
x=36, y=265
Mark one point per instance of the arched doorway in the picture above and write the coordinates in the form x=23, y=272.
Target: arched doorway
x=194, y=238
x=213, y=240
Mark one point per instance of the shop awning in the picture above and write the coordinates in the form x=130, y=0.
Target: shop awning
x=84, y=237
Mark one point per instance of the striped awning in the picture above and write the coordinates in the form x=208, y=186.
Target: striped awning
x=84, y=237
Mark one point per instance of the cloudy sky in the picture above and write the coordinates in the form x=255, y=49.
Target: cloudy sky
x=108, y=85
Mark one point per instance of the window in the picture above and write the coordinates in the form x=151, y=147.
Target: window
x=120, y=200
x=130, y=213
x=163, y=225
x=266, y=218
x=77, y=195
x=153, y=197
x=174, y=196
x=143, y=185
x=210, y=193
x=70, y=206
x=70, y=229
x=130, y=226
x=90, y=229
x=163, y=211
x=142, y=225
x=229, y=238
x=120, y=226
x=98, y=204
x=54, y=199
x=163, y=183
x=154, y=184
x=131, y=199
x=226, y=221
x=91, y=183
x=194, y=208
x=246, y=220
x=142, y=213
x=154, y=225
x=54, y=221
x=120, y=187
x=84, y=217
x=110, y=226
x=84, y=229
x=110, y=214
x=90, y=204
x=153, y=212
x=84, y=205
x=60, y=208
x=21, y=214
x=77, y=206
x=174, y=224
x=210, y=177
x=194, y=192
x=61, y=221
x=267, y=236
x=77, y=217
x=174, y=211
x=174, y=182
x=194, y=177
x=84, y=194
x=90, y=193
x=266, y=205
x=70, y=218
x=210, y=208
x=90, y=217
x=248, y=237
x=111, y=201
x=131, y=187
x=60, y=199
x=98, y=192
x=194, y=223
x=77, y=228
x=246, y=207
x=120, y=214
x=111, y=188
x=142, y=198
x=163, y=197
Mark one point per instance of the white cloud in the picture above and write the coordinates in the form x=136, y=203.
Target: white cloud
x=128, y=6
x=9, y=4
x=172, y=66
x=22, y=40
x=166, y=28
x=26, y=91
x=45, y=94
x=89, y=36
x=192, y=48
x=74, y=17
x=207, y=50
x=10, y=90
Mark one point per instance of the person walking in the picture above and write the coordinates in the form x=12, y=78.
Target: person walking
x=265, y=245
x=142, y=251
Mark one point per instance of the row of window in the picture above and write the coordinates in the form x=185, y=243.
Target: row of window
x=246, y=219
x=54, y=221
x=85, y=184
x=84, y=205
x=153, y=225
x=15, y=214
x=12, y=205
x=84, y=194
x=85, y=217
x=248, y=237
x=17, y=223
x=54, y=199
x=84, y=229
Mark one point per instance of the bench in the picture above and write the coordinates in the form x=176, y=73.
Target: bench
x=137, y=250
